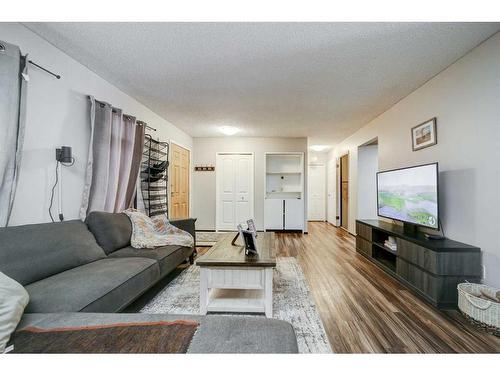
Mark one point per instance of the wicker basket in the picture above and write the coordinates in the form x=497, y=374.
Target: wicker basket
x=480, y=311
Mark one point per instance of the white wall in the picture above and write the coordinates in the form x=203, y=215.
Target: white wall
x=58, y=114
x=317, y=157
x=367, y=182
x=205, y=150
x=465, y=98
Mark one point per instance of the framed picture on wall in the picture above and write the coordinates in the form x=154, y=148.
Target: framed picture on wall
x=424, y=135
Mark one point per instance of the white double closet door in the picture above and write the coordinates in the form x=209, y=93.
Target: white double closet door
x=235, y=189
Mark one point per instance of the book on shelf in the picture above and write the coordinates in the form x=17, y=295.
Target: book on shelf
x=391, y=245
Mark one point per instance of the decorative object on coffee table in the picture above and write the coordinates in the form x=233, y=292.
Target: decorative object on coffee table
x=251, y=226
x=230, y=281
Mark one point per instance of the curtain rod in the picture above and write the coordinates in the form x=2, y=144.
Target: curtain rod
x=146, y=125
x=45, y=70
x=138, y=121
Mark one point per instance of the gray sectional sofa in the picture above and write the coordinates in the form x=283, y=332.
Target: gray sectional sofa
x=90, y=267
x=80, y=273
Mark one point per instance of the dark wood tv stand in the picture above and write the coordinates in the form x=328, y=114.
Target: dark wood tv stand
x=430, y=268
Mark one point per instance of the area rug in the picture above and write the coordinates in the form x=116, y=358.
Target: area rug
x=292, y=302
x=209, y=238
x=150, y=337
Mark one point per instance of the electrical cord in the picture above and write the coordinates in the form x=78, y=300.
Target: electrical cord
x=52, y=194
x=61, y=217
x=442, y=228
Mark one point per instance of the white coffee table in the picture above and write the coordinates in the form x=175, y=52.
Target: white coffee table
x=230, y=281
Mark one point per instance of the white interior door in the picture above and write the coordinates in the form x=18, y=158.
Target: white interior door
x=331, y=188
x=235, y=197
x=317, y=193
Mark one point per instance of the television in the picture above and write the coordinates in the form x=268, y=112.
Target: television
x=410, y=195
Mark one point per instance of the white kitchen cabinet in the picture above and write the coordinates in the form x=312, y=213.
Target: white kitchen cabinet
x=284, y=214
x=294, y=214
x=273, y=214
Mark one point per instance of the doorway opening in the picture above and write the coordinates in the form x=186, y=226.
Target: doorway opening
x=331, y=193
x=344, y=191
x=179, y=186
x=367, y=180
x=316, y=192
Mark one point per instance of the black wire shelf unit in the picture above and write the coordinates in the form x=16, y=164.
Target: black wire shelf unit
x=154, y=176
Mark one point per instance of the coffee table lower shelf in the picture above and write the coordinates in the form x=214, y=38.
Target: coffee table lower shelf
x=236, y=300
x=239, y=289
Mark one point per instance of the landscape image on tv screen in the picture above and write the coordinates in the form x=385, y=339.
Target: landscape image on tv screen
x=409, y=195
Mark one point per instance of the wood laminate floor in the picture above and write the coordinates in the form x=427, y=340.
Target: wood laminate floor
x=366, y=311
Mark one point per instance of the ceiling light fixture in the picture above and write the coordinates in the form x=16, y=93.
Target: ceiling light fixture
x=228, y=130
x=319, y=148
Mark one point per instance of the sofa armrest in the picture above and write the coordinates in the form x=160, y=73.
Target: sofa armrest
x=186, y=225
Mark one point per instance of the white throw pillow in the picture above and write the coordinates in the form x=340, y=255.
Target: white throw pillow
x=13, y=300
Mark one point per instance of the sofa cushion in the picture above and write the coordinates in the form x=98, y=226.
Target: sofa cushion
x=112, y=231
x=230, y=334
x=187, y=225
x=168, y=257
x=29, y=253
x=106, y=285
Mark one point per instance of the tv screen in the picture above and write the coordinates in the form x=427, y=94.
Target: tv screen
x=410, y=195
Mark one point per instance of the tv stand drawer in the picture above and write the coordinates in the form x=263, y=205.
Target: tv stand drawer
x=440, y=290
x=419, y=279
x=363, y=246
x=364, y=231
x=440, y=263
x=418, y=255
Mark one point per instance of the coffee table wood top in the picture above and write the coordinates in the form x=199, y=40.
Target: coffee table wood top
x=226, y=255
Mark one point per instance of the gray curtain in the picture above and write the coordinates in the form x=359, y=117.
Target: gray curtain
x=126, y=157
x=112, y=162
x=13, y=86
x=136, y=165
